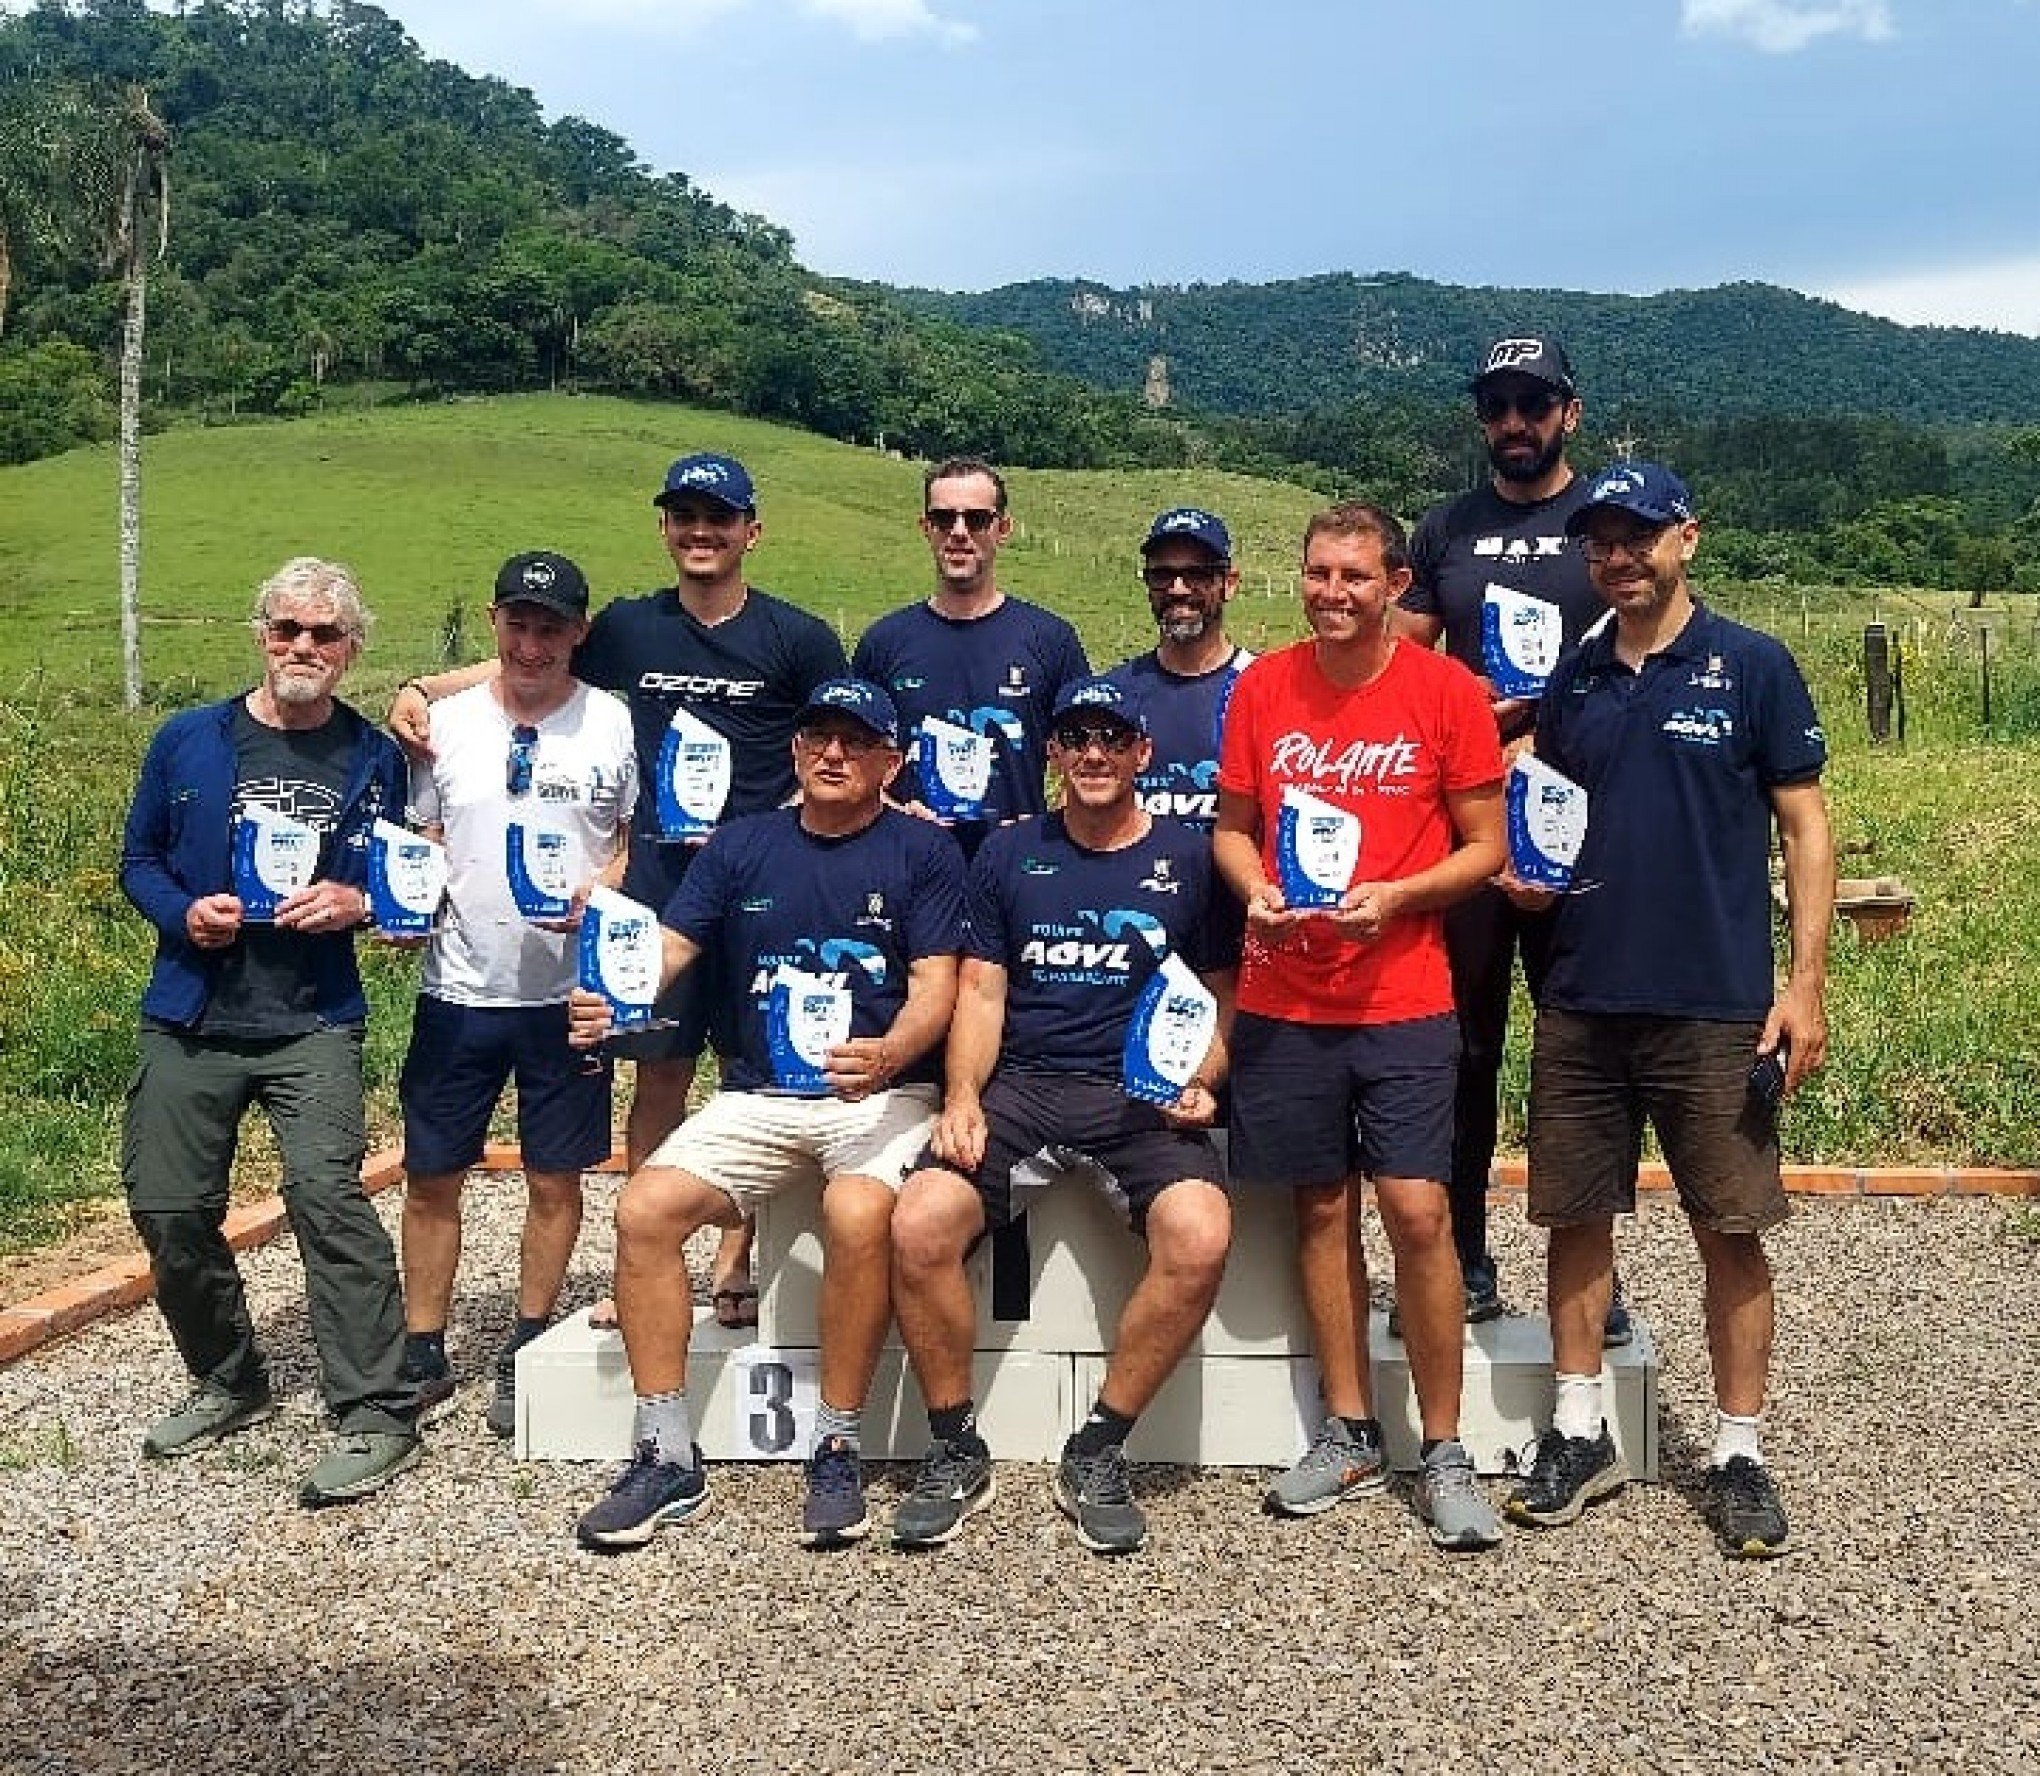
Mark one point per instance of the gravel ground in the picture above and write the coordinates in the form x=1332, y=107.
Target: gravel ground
x=190, y=1616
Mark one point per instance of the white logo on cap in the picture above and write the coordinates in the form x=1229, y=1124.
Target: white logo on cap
x=539, y=576
x=1104, y=694
x=1621, y=481
x=840, y=694
x=1508, y=353
x=703, y=475
x=1182, y=521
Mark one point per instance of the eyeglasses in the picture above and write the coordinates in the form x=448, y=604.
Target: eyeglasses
x=976, y=519
x=523, y=750
x=1533, y=404
x=1637, y=545
x=1202, y=577
x=1078, y=736
x=288, y=629
x=855, y=742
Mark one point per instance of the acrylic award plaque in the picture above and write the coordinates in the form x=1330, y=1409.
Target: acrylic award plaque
x=693, y=780
x=274, y=856
x=956, y=769
x=543, y=865
x=620, y=956
x=406, y=880
x=1317, y=849
x=805, y=1016
x=1520, y=639
x=1172, y=1027
x=1547, y=815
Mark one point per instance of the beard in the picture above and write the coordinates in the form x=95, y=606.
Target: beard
x=1524, y=469
x=1181, y=626
x=297, y=687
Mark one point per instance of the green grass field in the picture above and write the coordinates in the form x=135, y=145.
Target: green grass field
x=1937, y=1056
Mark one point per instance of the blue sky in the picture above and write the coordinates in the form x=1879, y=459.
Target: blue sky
x=1878, y=151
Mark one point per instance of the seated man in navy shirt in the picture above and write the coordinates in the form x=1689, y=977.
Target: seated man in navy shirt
x=839, y=896
x=1070, y=917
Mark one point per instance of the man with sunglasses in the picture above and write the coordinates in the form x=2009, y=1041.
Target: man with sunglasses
x=1507, y=537
x=971, y=657
x=1184, y=682
x=840, y=908
x=532, y=746
x=1071, y=916
x=1694, y=737
x=717, y=650
x=257, y=1003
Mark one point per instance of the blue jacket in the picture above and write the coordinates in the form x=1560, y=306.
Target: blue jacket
x=177, y=848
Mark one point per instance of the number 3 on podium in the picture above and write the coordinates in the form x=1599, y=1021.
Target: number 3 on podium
x=774, y=1403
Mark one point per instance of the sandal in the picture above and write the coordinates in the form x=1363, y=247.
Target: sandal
x=602, y=1316
x=736, y=1305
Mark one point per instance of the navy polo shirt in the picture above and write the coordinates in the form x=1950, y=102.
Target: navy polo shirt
x=1670, y=909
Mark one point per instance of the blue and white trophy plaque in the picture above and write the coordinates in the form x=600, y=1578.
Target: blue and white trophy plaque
x=1173, y=1023
x=544, y=865
x=956, y=769
x=1547, y=814
x=274, y=856
x=406, y=880
x=806, y=1015
x=620, y=956
x=694, y=778
x=1520, y=639
x=1317, y=849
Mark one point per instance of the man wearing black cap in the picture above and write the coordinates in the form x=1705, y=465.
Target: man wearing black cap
x=1472, y=560
x=1184, y=682
x=531, y=748
x=844, y=917
x=739, y=662
x=1694, y=737
x=1075, y=920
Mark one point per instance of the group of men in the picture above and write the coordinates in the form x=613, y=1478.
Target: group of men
x=921, y=982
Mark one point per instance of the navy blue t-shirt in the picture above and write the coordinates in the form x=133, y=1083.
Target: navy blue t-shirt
x=997, y=675
x=1185, y=716
x=1079, y=932
x=747, y=677
x=1670, y=908
x=858, y=911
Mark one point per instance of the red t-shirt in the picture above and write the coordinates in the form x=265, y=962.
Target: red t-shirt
x=1388, y=752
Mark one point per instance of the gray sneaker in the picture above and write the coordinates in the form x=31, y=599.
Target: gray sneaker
x=1094, y=1493
x=502, y=1414
x=208, y=1415
x=955, y=1480
x=357, y=1465
x=1449, y=1499
x=1337, y=1465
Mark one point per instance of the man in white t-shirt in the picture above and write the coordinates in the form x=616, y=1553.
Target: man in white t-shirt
x=532, y=748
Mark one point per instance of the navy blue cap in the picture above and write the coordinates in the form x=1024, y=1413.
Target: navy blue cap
x=858, y=699
x=541, y=577
x=1100, y=696
x=1192, y=524
x=1527, y=354
x=714, y=477
x=1647, y=490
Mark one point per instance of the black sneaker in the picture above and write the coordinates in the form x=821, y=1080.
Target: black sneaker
x=647, y=1495
x=502, y=1414
x=1618, y=1330
x=1483, y=1293
x=955, y=1480
x=432, y=1391
x=1093, y=1492
x=834, y=1512
x=1747, y=1515
x=1567, y=1475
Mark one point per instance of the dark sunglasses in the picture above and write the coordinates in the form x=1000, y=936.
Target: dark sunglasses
x=1201, y=578
x=976, y=519
x=1077, y=736
x=1533, y=405
x=288, y=629
x=523, y=749
x=855, y=742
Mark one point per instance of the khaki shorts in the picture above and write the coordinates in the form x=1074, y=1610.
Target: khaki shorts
x=753, y=1145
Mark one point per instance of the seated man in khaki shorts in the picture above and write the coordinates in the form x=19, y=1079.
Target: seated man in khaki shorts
x=840, y=895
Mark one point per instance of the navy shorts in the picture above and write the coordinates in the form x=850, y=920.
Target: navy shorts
x=461, y=1057
x=1044, y=1126
x=1316, y=1103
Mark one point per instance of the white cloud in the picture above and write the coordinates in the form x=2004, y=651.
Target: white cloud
x=874, y=20
x=1779, y=27
x=1999, y=293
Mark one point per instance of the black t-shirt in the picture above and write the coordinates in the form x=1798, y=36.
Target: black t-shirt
x=265, y=987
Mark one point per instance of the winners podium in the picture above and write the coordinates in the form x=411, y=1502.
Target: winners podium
x=1246, y=1395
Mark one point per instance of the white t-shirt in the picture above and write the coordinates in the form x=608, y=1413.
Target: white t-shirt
x=583, y=783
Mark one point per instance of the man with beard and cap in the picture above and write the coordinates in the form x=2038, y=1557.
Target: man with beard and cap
x=1497, y=543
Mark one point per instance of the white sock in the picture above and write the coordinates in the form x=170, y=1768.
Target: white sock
x=1734, y=1436
x=1577, y=1412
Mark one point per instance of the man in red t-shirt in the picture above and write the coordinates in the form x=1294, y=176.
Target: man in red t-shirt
x=1360, y=793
